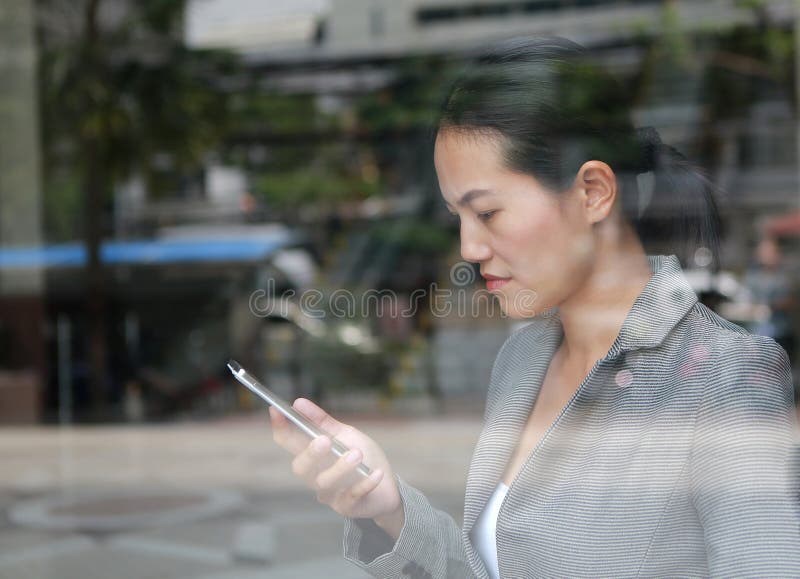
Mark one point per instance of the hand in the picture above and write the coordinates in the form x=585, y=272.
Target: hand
x=336, y=482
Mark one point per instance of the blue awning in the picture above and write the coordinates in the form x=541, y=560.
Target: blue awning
x=143, y=252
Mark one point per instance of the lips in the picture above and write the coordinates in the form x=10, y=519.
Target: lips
x=494, y=282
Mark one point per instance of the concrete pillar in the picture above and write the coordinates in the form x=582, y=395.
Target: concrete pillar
x=21, y=290
x=20, y=164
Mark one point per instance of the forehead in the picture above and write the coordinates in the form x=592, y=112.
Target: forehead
x=474, y=161
x=468, y=159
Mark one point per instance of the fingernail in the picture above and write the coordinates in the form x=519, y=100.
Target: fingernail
x=352, y=456
x=376, y=474
x=319, y=443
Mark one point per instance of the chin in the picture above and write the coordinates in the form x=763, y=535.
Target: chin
x=521, y=306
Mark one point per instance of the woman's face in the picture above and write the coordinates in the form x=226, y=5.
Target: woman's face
x=537, y=241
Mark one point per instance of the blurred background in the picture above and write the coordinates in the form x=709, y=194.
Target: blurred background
x=179, y=178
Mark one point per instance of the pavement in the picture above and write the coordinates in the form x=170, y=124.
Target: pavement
x=212, y=500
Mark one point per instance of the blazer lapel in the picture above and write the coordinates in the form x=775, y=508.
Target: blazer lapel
x=503, y=427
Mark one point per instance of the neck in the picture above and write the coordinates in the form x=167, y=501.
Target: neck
x=592, y=317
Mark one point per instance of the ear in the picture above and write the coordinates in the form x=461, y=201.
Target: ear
x=598, y=186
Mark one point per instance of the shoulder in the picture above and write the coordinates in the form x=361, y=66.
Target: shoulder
x=743, y=366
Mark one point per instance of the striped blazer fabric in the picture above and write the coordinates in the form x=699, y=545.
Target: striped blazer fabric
x=672, y=459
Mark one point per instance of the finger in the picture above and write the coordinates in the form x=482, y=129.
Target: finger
x=276, y=419
x=311, y=459
x=347, y=500
x=278, y=423
x=285, y=434
x=318, y=416
x=329, y=480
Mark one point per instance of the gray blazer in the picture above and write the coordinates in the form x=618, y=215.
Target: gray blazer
x=671, y=459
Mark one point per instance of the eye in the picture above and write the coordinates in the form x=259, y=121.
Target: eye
x=486, y=215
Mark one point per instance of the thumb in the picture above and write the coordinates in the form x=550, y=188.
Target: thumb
x=318, y=416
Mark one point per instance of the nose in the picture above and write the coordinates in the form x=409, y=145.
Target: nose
x=473, y=246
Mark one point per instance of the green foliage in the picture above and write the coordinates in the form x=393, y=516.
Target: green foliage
x=258, y=112
x=413, y=235
x=669, y=65
x=750, y=4
x=410, y=101
x=63, y=198
x=121, y=98
x=300, y=187
x=310, y=156
x=676, y=45
x=749, y=62
x=336, y=366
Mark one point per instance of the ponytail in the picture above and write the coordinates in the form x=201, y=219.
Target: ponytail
x=675, y=201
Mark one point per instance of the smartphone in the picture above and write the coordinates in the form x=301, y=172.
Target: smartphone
x=297, y=418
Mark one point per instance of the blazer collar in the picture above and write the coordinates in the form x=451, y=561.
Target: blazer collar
x=663, y=302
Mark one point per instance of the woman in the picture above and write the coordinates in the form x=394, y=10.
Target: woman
x=628, y=430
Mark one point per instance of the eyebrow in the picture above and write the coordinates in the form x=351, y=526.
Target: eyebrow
x=470, y=195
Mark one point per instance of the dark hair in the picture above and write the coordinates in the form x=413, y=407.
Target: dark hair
x=556, y=109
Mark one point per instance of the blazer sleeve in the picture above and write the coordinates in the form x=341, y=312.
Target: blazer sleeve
x=742, y=472
x=429, y=546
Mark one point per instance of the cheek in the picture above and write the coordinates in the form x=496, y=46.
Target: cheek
x=537, y=247
x=549, y=257
x=570, y=238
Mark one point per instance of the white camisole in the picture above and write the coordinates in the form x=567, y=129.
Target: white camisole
x=483, y=533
